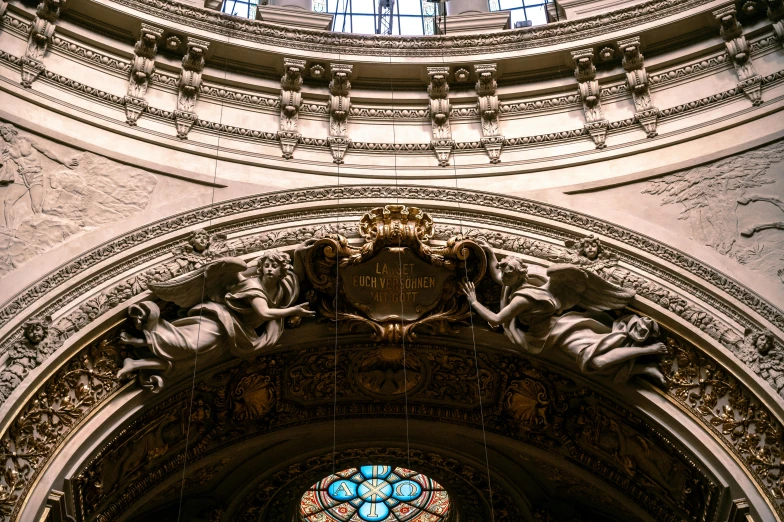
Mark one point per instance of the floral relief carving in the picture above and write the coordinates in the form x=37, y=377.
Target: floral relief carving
x=522, y=401
x=721, y=204
x=734, y=415
x=49, y=416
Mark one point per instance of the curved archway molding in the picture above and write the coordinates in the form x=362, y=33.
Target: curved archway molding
x=713, y=322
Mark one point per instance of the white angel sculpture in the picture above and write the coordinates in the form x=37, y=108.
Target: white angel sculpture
x=536, y=317
x=228, y=303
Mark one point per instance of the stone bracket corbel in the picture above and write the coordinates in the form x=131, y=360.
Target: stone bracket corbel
x=142, y=69
x=40, y=36
x=738, y=48
x=290, y=103
x=188, y=85
x=339, y=109
x=3, y=7
x=440, y=109
x=637, y=78
x=488, y=108
x=590, y=94
x=776, y=15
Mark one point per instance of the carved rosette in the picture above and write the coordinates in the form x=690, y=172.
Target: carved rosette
x=396, y=281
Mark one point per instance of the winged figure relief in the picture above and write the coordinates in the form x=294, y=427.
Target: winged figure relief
x=535, y=313
x=231, y=307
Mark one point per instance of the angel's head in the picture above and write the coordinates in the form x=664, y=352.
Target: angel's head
x=274, y=265
x=36, y=330
x=590, y=247
x=199, y=240
x=513, y=271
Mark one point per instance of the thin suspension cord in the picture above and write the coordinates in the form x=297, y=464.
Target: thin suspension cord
x=400, y=267
x=473, y=336
x=201, y=309
x=337, y=283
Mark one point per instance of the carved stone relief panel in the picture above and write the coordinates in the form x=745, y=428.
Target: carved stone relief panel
x=522, y=399
x=49, y=196
x=735, y=206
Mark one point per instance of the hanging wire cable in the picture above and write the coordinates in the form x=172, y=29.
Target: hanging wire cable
x=337, y=283
x=400, y=268
x=201, y=309
x=473, y=333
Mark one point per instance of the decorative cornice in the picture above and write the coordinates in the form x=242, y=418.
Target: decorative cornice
x=375, y=45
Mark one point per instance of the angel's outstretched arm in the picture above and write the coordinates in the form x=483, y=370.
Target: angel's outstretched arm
x=515, y=307
x=298, y=263
x=492, y=262
x=265, y=312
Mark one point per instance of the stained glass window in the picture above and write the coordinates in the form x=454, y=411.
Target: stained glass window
x=375, y=494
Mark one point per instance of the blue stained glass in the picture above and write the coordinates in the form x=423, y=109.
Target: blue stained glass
x=375, y=494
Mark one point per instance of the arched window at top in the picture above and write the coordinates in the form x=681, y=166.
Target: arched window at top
x=243, y=8
x=409, y=17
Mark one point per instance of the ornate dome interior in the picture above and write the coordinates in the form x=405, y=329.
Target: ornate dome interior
x=298, y=261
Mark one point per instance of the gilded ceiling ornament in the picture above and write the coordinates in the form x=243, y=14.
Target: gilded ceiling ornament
x=394, y=282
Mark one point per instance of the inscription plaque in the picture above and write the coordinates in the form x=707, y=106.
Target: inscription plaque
x=395, y=284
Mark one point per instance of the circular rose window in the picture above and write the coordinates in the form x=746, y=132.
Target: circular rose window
x=375, y=494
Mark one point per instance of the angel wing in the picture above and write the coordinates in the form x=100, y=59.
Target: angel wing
x=210, y=282
x=573, y=286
